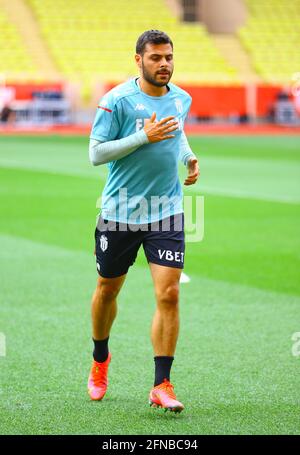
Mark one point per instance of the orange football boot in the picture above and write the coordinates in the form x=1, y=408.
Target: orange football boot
x=163, y=396
x=97, y=382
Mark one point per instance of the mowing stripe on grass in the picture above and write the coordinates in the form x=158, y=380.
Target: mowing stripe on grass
x=230, y=192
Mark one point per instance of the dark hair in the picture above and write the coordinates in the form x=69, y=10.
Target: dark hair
x=153, y=37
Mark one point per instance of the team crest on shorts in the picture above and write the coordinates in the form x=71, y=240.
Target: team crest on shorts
x=103, y=243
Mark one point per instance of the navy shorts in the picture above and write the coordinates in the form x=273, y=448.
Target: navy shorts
x=117, y=244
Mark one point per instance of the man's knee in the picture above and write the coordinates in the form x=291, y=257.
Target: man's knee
x=107, y=290
x=168, y=295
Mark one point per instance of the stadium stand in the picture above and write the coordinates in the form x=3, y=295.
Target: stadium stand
x=271, y=36
x=89, y=40
x=16, y=62
x=89, y=44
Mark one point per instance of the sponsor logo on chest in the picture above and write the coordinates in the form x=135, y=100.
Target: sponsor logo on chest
x=141, y=122
x=139, y=107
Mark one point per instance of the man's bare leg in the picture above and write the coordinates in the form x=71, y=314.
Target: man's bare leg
x=164, y=335
x=165, y=325
x=104, y=310
x=104, y=305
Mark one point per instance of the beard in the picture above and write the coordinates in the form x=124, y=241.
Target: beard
x=151, y=77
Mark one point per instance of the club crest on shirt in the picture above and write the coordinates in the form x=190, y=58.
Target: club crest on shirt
x=178, y=105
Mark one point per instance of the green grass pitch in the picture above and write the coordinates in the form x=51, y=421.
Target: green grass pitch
x=234, y=369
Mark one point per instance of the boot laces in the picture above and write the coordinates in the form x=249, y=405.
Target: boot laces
x=99, y=373
x=168, y=387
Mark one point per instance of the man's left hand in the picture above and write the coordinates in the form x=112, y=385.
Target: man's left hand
x=193, y=172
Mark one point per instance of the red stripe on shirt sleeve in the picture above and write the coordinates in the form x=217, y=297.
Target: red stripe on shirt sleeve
x=104, y=108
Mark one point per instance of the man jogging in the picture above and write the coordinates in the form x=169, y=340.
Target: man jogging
x=138, y=130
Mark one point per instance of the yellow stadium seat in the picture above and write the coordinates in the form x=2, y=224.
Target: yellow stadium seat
x=271, y=37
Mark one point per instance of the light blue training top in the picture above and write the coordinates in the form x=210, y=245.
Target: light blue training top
x=143, y=186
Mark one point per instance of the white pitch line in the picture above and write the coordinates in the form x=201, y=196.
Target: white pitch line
x=248, y=195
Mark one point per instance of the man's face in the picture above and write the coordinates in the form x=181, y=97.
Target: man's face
x=156, y=64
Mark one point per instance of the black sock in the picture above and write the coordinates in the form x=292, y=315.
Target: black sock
x=101, y=350
x=162, y=368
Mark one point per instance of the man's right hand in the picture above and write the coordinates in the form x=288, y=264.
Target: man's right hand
x=158, y=131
